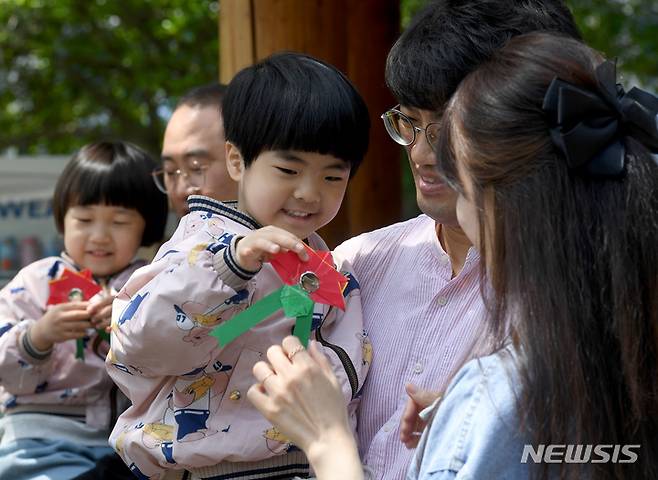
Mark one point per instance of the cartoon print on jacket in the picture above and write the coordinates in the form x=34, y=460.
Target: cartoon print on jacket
x=197, y=319
x=366, y=347
x=197, y=221
x=161, y=435
x=277, y=442
x=129, y=311
x=195, y=397
x=119, y=447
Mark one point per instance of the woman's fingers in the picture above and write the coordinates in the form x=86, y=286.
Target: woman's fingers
x=318, y=355
x=262, y=371
x=279, y=361
x=295, y=351
x=257, y=396
x=257, y=393
x=293, y=386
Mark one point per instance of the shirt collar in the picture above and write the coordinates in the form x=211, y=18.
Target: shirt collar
x=229, y=209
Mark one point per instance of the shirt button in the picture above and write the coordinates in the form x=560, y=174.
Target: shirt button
x=235, y=395
x=386, y=428
x=442, y=300
x=418, y=368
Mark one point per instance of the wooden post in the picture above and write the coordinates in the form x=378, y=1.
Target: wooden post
x=353, y=35
x=236, y=44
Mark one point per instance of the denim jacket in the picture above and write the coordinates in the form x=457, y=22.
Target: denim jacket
x=474, y=433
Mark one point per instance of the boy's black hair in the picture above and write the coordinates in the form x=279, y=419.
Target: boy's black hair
x=450, y=38
x=203, y=96
x=291, y=101
x=112, y=173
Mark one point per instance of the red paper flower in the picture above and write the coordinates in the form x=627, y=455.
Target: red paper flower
x=72, y=286
x=330, y=283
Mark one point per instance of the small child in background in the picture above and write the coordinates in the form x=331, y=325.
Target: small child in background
x=296, y=131
x=58, y=403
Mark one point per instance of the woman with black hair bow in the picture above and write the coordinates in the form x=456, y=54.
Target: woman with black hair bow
x=557, y=176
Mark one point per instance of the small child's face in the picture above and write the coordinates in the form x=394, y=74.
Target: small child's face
x=102, y=238
x=296, y=191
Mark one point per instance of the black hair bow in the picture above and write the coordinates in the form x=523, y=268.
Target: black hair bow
x=588, y=126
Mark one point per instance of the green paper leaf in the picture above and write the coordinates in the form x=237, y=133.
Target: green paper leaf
x=103, y=334
x=242, y=322
x=80, y=349
x=296, y=302
x=302, y=328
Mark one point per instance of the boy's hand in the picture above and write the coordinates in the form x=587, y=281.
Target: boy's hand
x=260, y=245
x=61, y=322
x=100, y=313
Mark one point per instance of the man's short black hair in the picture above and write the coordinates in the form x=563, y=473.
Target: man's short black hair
x=203, y=96
x=112, y=173
x=450, y=38
x=291, y=101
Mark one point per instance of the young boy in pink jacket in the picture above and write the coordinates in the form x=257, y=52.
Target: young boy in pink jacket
x=296, y=131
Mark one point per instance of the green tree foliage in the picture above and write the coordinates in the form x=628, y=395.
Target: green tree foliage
x=408, y=8
x=74, y=71
x=625, y=29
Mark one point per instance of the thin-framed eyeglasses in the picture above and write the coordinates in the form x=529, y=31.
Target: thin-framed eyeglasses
x=403, y=131
x=167, y=178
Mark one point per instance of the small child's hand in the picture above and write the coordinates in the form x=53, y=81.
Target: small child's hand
x=100, y=312
x=260, y=245
x=61, y=322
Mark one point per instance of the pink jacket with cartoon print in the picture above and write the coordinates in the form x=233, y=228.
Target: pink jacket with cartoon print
x=57, y=382
x=189, y=395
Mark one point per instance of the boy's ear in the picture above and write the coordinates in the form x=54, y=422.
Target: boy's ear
x=234, y=162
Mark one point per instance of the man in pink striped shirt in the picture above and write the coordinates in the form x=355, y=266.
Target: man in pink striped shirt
x=419, y=279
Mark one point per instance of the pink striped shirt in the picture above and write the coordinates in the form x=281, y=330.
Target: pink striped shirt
x=422, y=324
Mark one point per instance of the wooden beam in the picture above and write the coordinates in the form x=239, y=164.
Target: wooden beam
x=236, y=37
x=375, y=195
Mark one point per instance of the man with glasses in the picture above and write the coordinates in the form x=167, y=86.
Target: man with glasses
x=420, y=283
x=193, y=161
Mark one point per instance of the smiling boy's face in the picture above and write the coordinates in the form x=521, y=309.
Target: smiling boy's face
x=297, y=191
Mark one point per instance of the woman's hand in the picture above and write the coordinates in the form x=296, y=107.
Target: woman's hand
x=258, y=246
x=60, y=323
x=298, y=392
